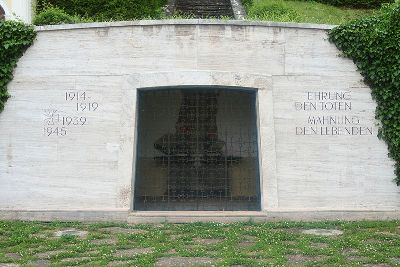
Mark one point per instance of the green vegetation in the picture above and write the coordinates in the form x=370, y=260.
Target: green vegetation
x=75, y=11
x=374, y=45
x=15, y=38
x=269, y=244
x=299, y=11
x=54, y=15
x=105, y=10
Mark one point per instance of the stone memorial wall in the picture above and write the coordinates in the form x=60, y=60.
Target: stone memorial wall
x=68, y=133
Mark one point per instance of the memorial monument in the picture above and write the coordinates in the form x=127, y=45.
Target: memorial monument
x=155, y=121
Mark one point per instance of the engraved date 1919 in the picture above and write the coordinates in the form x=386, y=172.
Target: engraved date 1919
x=92, y=106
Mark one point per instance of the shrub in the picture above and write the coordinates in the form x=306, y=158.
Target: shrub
x=272, y=10
x=54, y=15
x=374, y=45
x=15, y=38
x=106, y=10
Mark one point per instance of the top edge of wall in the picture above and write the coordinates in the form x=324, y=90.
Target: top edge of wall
x=184, y=22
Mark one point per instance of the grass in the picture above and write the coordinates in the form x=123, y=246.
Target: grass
x=298, y=11
x=247, y=244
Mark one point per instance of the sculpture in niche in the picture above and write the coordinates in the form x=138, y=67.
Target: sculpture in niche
x=196, y=132
x=197, y=162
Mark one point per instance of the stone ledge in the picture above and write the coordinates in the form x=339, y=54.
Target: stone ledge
x=195, y=216
x=183, y=22
x=258, y=217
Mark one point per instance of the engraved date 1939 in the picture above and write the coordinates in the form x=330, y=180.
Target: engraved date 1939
x=56, y=124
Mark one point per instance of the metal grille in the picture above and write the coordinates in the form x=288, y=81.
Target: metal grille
x=197, y=150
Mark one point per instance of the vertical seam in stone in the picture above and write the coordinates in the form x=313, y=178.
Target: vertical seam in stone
x=122, y=136
x=284, y=53
x=275, y=149
x=197, y=41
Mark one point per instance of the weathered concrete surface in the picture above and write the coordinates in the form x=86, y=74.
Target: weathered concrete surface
x=87, y=166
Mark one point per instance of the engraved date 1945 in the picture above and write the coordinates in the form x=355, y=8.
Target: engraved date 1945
x=55, y=131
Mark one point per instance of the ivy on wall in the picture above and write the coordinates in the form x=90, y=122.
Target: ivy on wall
x=15, y=38
x=374, y=45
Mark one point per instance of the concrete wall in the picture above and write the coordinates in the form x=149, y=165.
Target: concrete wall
x=23, y=9
x=20, y=9
x=68, y=133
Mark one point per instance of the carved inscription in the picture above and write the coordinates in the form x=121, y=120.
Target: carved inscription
x=330, y=114
x=59, y=122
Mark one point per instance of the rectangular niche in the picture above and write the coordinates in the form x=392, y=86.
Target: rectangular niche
x=197, y=149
